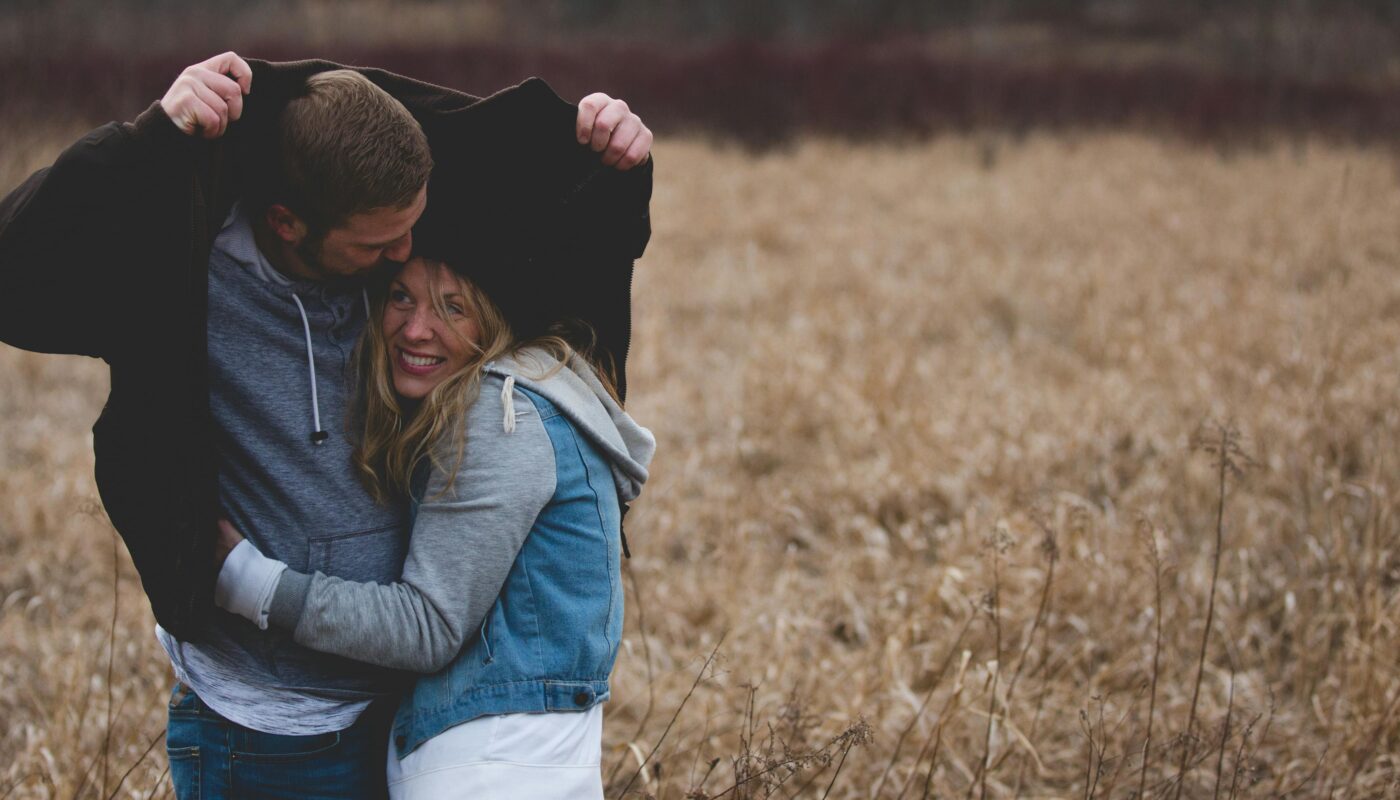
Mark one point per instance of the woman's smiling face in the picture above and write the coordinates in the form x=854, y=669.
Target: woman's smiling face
x=427, y=346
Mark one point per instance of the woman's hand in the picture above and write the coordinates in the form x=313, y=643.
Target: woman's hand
x=229, y=537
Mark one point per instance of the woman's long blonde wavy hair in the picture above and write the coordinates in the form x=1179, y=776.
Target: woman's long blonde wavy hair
x=396, y=437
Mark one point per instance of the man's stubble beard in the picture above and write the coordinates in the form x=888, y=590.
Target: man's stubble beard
x=309, y=251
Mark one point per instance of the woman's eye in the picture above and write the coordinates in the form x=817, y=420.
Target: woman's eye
x=455, y=309
x=398, y=296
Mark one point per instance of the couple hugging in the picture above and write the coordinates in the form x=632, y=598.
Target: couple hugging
x=379, y=328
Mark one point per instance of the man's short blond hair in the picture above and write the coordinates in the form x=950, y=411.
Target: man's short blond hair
x=348, y=147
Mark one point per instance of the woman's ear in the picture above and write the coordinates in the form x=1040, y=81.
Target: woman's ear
x=285, y=223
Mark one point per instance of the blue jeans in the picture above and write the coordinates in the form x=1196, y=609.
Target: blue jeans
x=212, y=757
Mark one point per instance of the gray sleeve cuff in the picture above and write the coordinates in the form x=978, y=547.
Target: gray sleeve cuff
x=289, y=600
x=246, y=583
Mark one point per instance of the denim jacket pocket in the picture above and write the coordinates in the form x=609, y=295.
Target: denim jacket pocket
x=486, y=656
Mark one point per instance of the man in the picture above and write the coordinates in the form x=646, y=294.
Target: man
x=210, y=252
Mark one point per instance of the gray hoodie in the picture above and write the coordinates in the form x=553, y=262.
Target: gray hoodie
x=464, y=543
x=279, y=370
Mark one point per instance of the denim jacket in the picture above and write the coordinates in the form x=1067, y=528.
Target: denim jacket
x=549, y=642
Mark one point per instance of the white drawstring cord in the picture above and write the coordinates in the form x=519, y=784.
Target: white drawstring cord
x=508, y=404
x=317, y=436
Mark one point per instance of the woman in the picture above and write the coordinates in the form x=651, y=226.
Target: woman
x=516, y=459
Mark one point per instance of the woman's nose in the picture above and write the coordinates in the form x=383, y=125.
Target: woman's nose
x=419, y=327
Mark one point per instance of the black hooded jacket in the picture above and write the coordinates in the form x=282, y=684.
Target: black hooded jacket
x=105, y=254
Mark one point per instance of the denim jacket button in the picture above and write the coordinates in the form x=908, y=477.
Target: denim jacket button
x=400, y=741
x=581, y=699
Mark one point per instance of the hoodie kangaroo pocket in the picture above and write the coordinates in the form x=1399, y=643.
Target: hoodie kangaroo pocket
x=372, y=555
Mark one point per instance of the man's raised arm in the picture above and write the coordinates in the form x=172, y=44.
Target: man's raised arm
x=71, y=234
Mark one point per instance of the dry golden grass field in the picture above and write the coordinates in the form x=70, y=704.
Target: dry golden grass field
x=935, y=485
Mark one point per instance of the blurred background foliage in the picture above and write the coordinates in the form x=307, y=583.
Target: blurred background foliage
x=763, y=71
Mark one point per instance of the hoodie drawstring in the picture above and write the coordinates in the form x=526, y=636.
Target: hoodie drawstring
x=508, y=404
x=319, y=436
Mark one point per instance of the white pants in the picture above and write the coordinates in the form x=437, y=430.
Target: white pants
x=510, y=756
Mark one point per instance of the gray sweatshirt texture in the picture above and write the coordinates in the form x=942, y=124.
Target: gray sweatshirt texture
x=297, y=501
x=464, y=543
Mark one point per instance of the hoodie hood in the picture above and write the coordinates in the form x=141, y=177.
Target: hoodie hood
x=578, y=394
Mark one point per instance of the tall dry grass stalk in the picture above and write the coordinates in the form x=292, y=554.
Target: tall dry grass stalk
x=1149, y=536
x=858, y=361
x=1223, y=443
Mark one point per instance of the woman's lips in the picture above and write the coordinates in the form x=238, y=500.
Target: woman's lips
x=417, y=363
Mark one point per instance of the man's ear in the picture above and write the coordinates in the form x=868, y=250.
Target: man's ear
x=286, y=224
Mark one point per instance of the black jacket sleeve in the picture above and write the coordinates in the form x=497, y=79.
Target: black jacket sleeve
x=608, y=229
x=68, y=232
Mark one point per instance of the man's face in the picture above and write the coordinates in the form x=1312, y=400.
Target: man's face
x=363, y=242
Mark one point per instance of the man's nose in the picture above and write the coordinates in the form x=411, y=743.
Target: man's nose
x=399, y=251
